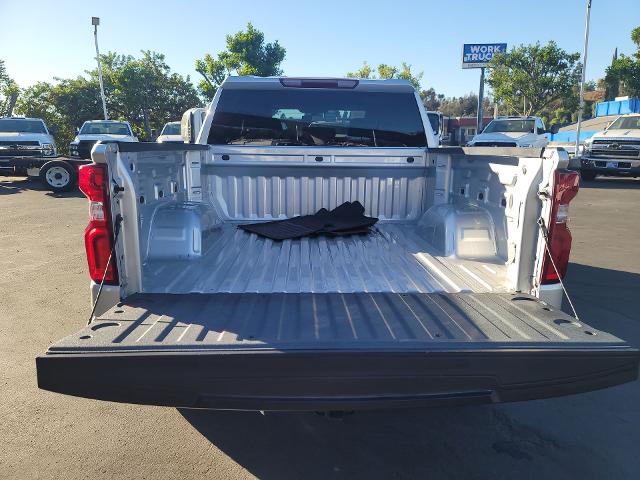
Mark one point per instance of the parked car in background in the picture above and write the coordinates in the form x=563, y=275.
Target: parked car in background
x=93, y=131
x=614, y=151
x=454, y=296
x=170, y=133
x=27, y=148
x=512, y=132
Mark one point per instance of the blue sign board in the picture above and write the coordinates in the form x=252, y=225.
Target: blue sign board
x=478, y=55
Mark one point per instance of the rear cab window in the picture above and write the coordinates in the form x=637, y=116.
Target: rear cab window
x=317, y=117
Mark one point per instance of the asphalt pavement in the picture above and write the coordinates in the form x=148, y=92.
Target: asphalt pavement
x=44, y=296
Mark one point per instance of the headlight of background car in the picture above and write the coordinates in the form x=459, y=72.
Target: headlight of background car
x=47, y=149
x=73, y=149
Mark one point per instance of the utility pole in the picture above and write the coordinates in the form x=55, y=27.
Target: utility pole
x=95, y=21
x=480, y=102
x=584, y=68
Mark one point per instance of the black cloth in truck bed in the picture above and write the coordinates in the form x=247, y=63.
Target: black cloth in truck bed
x=346, y=219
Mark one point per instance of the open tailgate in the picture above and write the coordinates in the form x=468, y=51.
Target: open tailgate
x=333, y=351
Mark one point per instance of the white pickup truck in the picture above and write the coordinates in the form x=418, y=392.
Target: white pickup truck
x=94, y=131
x=518, y=131
x=614, y=151
x=451, y=297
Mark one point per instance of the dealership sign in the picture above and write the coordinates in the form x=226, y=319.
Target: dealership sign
x=478, y=55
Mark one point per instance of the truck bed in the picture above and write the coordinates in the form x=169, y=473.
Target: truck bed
x=305, y=351
x=392, y=258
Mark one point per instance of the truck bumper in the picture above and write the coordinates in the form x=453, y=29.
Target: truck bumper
x=617, y=167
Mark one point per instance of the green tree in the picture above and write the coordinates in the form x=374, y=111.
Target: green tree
x=623, y=75
x=142, y=91
x=387, y=72
x=246, y=54
x=465, y=106
x=63, y=105
x=530, y=78
x=8, y=92
x=431, y=99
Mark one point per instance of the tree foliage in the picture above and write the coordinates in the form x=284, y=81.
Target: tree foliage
x=623, y=75
x=246, y=54
x=142, y=91
x=8, y=91
x=536, y=75
x=465, y=106
x=387, y=72
x=431, y=99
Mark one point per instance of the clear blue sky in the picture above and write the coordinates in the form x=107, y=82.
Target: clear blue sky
x=42, y=39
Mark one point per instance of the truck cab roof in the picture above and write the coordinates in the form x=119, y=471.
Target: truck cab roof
x=396, y=85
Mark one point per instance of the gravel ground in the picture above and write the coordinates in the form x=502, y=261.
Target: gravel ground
x=44, y=296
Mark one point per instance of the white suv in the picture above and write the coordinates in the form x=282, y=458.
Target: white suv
x=512, y=132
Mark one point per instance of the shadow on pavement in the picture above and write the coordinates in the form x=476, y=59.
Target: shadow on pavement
x=13, y=185
x=606, y=299
x=535, y=439
x=385, y=444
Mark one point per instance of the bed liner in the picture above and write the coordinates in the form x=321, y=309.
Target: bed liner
x=393, y=257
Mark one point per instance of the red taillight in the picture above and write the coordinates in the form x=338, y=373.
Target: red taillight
x=565, y=188
x=98, y=236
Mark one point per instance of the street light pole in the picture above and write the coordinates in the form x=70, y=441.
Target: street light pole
x=584, y=69
x=95, y=21
x=480, y=116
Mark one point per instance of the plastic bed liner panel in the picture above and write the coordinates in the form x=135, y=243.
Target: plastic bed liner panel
x=333, y=351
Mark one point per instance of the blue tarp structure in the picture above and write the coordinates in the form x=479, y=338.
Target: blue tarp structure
x=618, y=107
x=570, y=136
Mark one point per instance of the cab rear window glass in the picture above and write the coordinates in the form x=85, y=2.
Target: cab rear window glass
x=317, y=117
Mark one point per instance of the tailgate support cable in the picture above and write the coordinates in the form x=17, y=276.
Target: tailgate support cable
x=116, y=231
x=545, y=236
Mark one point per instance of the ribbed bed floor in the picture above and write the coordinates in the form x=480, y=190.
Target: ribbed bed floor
x=330, y=321
x=392, y=258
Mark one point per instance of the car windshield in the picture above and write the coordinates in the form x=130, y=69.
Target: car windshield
x=626, y=123
x=171, y=129
x=105, y=128
x=497, y=126
x=320, y=117
x=21, y=126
